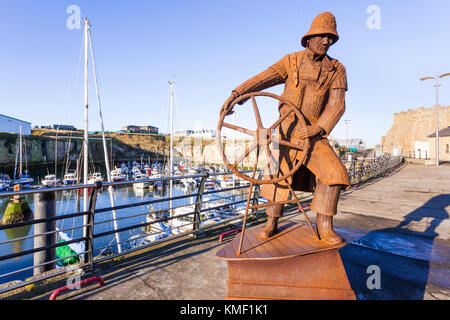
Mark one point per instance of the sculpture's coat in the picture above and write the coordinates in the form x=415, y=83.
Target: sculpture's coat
x=317, y=88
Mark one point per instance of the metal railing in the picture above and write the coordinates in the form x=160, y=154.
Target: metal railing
x=365, y=169
x=418, y=154
x=89, y=259
x=359, y=171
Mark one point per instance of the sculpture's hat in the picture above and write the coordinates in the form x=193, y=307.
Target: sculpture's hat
x=324, y=23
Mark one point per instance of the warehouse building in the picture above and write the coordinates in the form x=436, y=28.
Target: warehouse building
x=12, y=125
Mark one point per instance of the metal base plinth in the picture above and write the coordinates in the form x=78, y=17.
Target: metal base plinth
x=283, y=269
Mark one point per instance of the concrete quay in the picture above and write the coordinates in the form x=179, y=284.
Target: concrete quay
x=416, y=196
x=399, y=223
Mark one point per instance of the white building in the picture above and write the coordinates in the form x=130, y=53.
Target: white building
x=422, y=149
x=183, y=132
x=203, y=133
x=200, y=133
x=12, y=125
x=357, y=144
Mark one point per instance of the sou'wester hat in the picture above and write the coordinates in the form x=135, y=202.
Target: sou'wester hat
x=324, y=23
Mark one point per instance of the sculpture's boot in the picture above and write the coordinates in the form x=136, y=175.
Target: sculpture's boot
x=325, y=229
x=271, y=228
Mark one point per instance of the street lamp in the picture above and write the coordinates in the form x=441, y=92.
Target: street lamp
x=437, y=85
x=346, y=129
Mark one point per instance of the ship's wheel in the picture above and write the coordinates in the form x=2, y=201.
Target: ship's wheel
x=263, y=138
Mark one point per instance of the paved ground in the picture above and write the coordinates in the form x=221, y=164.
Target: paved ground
x=415, y=198
x=399, y=223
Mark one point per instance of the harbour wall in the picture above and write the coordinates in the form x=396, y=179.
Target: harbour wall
x=43, y=147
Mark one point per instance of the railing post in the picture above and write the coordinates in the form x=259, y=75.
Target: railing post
x=380, y=166
x=89, y=244
x=256, y=192
x=351, y=171
x=385, y=163
x=198, y=204
x=44, y=207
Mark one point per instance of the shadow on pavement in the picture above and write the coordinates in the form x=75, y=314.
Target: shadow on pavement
x=408, y=260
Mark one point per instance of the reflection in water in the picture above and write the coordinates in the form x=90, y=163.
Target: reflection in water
x=14, y=233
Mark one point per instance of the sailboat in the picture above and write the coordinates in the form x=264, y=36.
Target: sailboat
x=24, y=179
x=159, y=230
x=51, y=180
x=69, y=176
x=71, y=249
x=105, y=148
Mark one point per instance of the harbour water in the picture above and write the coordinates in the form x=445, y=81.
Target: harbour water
x=66, y=203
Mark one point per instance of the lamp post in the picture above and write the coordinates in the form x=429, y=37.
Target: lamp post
x=346, y=130
x=436, y=85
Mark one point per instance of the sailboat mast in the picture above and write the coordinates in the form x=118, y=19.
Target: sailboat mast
x=172, y=83
x=86, y=109
x=20, y=151
x=234, y=151
x=17, y=156
x=56, y=155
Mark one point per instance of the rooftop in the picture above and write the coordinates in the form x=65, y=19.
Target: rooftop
x=442, y=133
x=14, y=118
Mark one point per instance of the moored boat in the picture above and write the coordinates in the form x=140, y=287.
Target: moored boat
x=117, y=176
x=24, y=180
x=50, y=180
x=140, y=185
x=70, y=178
x=96, y=176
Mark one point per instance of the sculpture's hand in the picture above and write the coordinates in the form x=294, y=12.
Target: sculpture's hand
x=309, y=131
x=227, y=103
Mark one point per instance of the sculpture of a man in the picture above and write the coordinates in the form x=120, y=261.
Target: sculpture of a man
x=316, y=84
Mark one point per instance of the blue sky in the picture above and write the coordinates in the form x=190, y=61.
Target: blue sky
x=210, y=47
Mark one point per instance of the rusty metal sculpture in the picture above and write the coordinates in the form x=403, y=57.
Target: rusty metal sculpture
x=311, y=105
